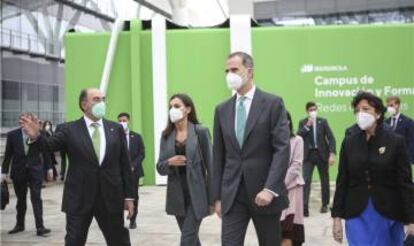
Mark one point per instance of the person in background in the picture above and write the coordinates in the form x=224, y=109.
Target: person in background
x=374, y=187
x=47, y=128
x=186, y=157
x=319, y=151
x=27, y=174
x=137, y=155
x=401, y=124
x=293, y=232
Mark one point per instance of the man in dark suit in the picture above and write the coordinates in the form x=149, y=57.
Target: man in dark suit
x=401, y=124
x=137, y=155
x=99, y=181
x=251, y=155
x=319, y=151
x=26, y=173
x=63, y=164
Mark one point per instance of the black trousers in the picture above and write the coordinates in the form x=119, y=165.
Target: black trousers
x=189, y=227
x=33, y=181
x=314, y=159
x=111, y=225
x=136, y=200
x=235, y=222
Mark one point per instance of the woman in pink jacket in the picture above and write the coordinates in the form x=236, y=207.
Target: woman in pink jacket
x=293, y=232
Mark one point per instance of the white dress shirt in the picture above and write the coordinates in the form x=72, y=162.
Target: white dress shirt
x=101, y=129
x=394, y=120
x=247, y=103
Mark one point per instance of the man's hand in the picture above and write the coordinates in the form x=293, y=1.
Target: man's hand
x=129, y=206
x=331, y=160
x=410, y=229
x=50, y=175
x=264, y=198
x=3, y=177
x=337, y=230
x=217, y=208
x=177, y=160
x=30, y=126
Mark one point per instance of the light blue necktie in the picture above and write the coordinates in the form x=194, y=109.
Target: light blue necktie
x=240, y=120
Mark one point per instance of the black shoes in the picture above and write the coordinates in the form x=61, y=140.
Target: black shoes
x=133, y=225
x=306, y=212
x=43, y=231
x=324, y=209
x=16, y=229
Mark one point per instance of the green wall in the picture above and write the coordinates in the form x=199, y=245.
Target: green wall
x=287, y=62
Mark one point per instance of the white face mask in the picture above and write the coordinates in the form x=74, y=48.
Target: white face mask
x=176, y=114
x=124, y=125
x=391, y=111
x=313, y=114
x=234, y=81
x=365, y=120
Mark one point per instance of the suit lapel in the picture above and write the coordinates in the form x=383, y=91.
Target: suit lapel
x=86, y=140
x=191, y=143
x=231, y=120
x=109, y=131
x=20, y=140
x=256, y=109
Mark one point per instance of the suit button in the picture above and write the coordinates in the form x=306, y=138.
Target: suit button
x=369, y=187
x=366, y=171
x=368, y=179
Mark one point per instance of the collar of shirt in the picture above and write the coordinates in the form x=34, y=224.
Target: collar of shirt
x=249, y=95
x=89, y=122
x=397, y=116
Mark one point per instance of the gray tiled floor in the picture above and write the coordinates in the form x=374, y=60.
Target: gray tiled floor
x=155, y=228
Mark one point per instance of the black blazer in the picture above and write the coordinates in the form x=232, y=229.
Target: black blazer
x=136, y=152
x=263, y=159
x=86, y=177
x=325, y=139
x=377, y=169
x=405, y=128
x=15, y=155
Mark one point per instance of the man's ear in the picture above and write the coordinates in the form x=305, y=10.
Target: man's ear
x=83, y=105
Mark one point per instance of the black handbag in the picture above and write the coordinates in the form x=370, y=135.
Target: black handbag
x=5, y=196
x=409, y=241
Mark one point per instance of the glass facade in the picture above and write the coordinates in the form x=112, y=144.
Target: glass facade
x=32, y=53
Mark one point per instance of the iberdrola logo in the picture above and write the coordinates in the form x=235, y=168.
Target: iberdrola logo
x=310, y=68
x=306, y=68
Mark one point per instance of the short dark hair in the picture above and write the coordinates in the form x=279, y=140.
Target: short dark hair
x=247, y=59
x=310, y=105
x=394, y=98
x=372, y=100
x=82, y=97
x=123, y=114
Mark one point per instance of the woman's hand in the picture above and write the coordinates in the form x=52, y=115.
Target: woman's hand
x=337, y=230
x=177, y=160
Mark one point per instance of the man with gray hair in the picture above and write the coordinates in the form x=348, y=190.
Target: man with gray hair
x=251, y=155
